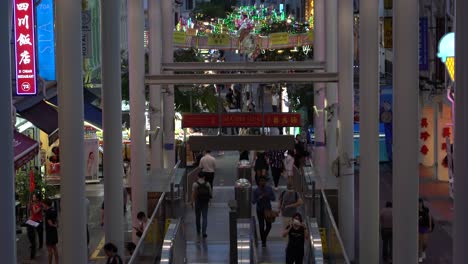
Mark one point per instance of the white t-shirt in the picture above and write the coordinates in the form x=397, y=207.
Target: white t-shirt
x=274, y=99
x=207, y=163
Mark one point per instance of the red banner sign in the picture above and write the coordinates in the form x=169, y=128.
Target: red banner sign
x=242, y=120
x=25, y=53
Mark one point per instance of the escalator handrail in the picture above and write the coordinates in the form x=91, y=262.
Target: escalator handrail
x=153, y=215
x=331, y=218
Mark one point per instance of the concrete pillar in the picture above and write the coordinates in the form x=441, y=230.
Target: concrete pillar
x=460, y=233
x=136, y=65
x=345, y=116
x=70, y=118
x=321, y=156
x=7, y=188
x=331, y=8
x=112, y=123
x=405, y=131
x=369, y=132
x=167, y=8
x=155, y=60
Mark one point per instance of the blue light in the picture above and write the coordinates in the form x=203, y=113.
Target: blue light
x=447, y=47
x=45, y=39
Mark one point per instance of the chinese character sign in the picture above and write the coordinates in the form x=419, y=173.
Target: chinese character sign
x=25, y=54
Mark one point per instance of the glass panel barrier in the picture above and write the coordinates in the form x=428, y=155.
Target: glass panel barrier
x=328, y=248
x=148, y=249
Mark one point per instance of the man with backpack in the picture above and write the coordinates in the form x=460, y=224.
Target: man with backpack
x=201, y=195
x=289, y=201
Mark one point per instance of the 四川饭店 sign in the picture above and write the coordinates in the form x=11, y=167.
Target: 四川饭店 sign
x=242, y=120
x=25, y=54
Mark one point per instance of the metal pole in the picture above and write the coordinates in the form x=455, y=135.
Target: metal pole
x=70, y=118
x=168, y=56
x=7, y=188
x=112, y=122
x=155, y=60
x=405, y=142
x=461, y=143
x=369, y=132
x=331, y=8
x=136, y=65
x=345, y=116
x=321, y=156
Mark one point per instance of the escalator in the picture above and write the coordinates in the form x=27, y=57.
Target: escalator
x=230, y=239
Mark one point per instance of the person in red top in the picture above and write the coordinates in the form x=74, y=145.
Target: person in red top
x=36, y=216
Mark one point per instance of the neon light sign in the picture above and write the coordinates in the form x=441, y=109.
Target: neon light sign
x=25, y=53
x=447, y=53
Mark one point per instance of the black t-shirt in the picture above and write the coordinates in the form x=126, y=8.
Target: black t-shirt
x=50, y=214
x=424, y=217
x=296, y=238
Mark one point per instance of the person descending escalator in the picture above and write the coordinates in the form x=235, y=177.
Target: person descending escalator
x=201, y=195
x=297, y=233
x=263, y=196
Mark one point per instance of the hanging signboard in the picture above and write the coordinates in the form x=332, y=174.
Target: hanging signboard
x=25, y=54
x=45, y=39
x=242, y=120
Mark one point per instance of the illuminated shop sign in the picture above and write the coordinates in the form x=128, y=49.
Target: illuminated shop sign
x=447, y=53
x=45, y=39
x=25, y=56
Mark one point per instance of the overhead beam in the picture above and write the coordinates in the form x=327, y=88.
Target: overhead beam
x=242, y=78
x=243, y=66
x=198, y=143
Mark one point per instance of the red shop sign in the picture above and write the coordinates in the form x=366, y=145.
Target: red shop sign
x=242, y=120
x=25, y=53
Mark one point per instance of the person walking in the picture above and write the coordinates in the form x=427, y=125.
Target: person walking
x=208, y=167
x=36, y=224
x=262, y=197
x=260, y=165
x=51, y=226
x=386, y=231
x=275, y=158
x=112, y=256
x=289, y=165
x=289, y=201
x=201, y=195
x=425, y=224
x=297, y=234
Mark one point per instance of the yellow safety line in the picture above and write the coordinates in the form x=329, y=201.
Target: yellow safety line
x=95, y=254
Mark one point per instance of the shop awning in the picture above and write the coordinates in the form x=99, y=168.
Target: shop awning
x=92, y=114
x=25, y=149
x=45, y=117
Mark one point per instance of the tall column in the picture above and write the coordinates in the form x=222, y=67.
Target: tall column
x=460, y=233
x=321, y=156
x=155, y=60
x=346, y=129
x=112, y=123
x=7, y=188
x=369, y=132
x=70, y=118
x=136, y=66
x=167, y=8
x=405, y=130
x=331, y=8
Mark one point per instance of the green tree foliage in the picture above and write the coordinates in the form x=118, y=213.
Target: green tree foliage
x=196, y=98
x=213, y=9
x=22, y=186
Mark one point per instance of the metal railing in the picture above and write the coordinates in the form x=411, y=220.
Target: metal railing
x=148, y=248
x=244, y=241
x=332, y=245
x=174, y=247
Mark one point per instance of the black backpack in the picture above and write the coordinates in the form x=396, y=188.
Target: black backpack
x=203, y=192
